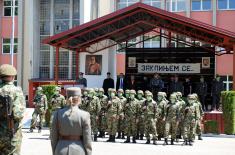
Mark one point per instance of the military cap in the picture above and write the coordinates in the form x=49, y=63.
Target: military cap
x=39, y=88
x=140, y=92
x=91, y=90
x=191, y=96
x=132, y=91
x=101, y=90
x=58, y=89
x=113, y=90
x=73, y=91
x=179, y=94
x=7, y=70
x=163, y=94
x=121, y=90
x=173, y=95
x=195, y=95
x=127, y=91
x=148, y=93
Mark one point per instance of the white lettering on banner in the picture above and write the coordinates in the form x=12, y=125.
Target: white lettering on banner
x=169, y=68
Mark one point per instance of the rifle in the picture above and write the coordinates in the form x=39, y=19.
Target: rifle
x=6, y=109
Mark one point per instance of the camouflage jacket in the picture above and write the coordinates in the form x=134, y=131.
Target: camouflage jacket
x=189, y=113
x=57, y=101
x=93, y=106
x=114, y=106
x=103, y=102
x=172, y=112
x=150, y=110
x=162, y=108
x=123, y=101
x=18, y=107
x=199, y=111
x=131, y=109
x=40, y=102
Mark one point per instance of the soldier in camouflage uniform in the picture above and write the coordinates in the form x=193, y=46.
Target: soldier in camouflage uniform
x=131, y=117
x=151, y=114
x=102, y=115
x=113, y=111
x=121, y=124
x=199, y=116
x=172, y=118
x=140, y=125
x=189, y=120
x=10, y=130
x=182, y=105
x=96, y=92
x=127, y=94
x=40, y=104
x=161, y=103
x=84, y=99
x=93, y=107
x=57, y=101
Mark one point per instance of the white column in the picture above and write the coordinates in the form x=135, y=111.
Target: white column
x=85, y=11
x=214, y=9
x=70, y=52
x=51, y=34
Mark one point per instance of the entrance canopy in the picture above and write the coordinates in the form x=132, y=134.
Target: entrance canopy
x=133, y=21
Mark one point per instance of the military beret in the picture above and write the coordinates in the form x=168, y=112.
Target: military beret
x=73, y=91
x=7, y=70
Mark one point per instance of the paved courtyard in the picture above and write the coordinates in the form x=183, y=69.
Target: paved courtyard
x=39, y=144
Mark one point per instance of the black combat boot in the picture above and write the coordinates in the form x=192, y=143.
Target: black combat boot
x=190, y=143
x=148, y=141
x=134, y=139
x=127, y=139
x=137, y=136
x=172, y=141
x=95, y=137
x=113, y=138
x=39, y=129
x=100, y=134
x=123, y=135
x=154, y=142
x=119, y=135
x=185, y=142
x=200, y=137
x=158, y=137
x=165, y=142
x=31, y=129
x=141, y=136
x=110, y=139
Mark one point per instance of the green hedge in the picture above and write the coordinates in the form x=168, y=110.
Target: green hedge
x=228, y=105
x=211, y=126
x=49, y=91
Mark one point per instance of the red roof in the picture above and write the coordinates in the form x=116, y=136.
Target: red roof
x=134, y=21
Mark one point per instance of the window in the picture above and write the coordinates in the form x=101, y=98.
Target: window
x=6, y=45
x=151, y=43
x=8, y=7
x=125, y=3
x=226, y=4
x=199, y=5
x=155, y=3
x=175, y=5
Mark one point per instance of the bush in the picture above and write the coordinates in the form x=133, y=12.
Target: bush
x=49, y=91
x=211, y=126
x=228, y=105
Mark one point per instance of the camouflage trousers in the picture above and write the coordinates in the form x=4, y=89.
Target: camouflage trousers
x=94, y=124
x=198, y=127
x=171, y=128
x=130, y=126
x=103, y=122
x=37, y=113
x=11, y=146
x=141, y=125
x=189, y=129
x=150, y=128
x=112, y=124
x=160, y=127
x=180, y=128
x=121, y=125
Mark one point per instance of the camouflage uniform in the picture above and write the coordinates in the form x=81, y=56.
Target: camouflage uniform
x=151, y=113
x=102, y=115
x=93, y=107
x=113, y=111
x=121, y=125
x=182, y=105
x=140, y=125
x=131, y=117
x=199, y=117
x=85, y=100
x=189, y=120
x=10, y=142
x=57, y=102
x=161, y=103
x=40, y=103
x=172, y=117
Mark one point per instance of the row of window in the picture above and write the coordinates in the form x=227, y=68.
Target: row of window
x=6, y=45
x=8, y=6
x=180, y=5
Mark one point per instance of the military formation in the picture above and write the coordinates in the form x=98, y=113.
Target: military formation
x=132, y=115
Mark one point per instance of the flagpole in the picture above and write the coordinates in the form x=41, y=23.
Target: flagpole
x=13, y=33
